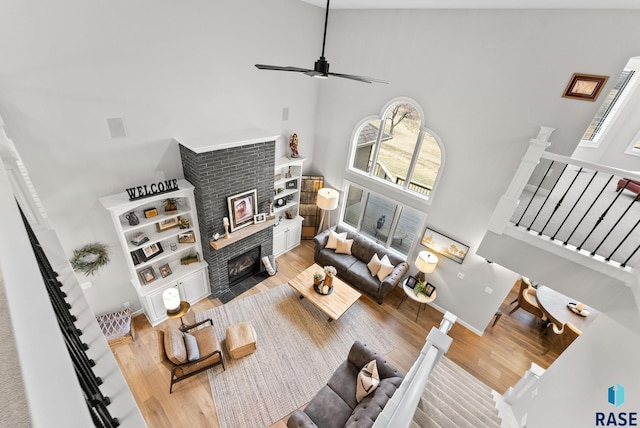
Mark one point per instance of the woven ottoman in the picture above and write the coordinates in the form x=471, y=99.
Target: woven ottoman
x=241, y=340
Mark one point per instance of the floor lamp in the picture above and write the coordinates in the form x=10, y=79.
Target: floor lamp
x=327, y=200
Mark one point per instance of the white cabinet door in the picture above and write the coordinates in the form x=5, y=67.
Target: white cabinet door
x=279, y=240
x=293, y=235
x=194, y=287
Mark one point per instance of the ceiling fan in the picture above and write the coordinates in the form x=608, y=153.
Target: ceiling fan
x=321, y=66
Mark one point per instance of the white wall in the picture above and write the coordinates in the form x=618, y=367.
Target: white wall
x=486, y=81
x=575, y=386
x=168, y=69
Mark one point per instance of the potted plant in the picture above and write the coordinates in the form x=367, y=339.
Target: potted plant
x=171, y=206
x=421, y=287
x=317, y=279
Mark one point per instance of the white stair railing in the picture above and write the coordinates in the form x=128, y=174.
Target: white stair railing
x=525, y=383
x=399, y=411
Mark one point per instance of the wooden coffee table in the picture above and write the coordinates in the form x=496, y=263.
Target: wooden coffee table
x=333, y=305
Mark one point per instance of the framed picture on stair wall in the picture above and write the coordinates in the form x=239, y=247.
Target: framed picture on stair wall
x=585, y=86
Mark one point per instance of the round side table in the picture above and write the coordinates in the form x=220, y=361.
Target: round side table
x=421, y=298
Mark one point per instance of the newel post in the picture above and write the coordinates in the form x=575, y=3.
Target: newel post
x=509, y=201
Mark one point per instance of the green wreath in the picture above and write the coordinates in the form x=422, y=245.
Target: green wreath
x=89, y=258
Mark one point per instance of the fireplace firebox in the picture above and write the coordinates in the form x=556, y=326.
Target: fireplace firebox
x=243, y=266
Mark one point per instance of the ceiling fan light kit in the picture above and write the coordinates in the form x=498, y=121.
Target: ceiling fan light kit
x=321, y=66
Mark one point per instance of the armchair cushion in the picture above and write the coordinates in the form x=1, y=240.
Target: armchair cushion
x=190, y=342
x=174, y=345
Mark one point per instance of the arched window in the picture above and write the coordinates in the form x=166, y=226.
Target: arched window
x=392, y=173
x=398, y=149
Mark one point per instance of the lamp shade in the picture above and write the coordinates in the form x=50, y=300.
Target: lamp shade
x=171, y=299
x=426, y=261
x=327, y=199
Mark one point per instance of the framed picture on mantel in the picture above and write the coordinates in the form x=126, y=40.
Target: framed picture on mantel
x=242, y=208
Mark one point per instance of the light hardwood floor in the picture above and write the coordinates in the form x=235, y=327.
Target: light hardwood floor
x=498, y=358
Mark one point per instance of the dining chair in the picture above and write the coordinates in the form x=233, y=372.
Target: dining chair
x=562, y=337
x=527, y=299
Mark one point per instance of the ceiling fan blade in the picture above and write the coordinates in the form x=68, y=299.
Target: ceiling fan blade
x=279, y=68
x=365, y=79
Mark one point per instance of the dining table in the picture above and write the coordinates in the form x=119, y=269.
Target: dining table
x=555, y=306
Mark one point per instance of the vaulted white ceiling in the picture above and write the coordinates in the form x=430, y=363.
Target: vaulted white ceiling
x=478, y=4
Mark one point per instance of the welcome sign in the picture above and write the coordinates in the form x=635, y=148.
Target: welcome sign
x=145, y=191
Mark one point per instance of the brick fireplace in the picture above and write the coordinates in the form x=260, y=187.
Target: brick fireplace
x=216, y=174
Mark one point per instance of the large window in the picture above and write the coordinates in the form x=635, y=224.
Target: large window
x=397, y=149
x=610, y=106
x=381, y=219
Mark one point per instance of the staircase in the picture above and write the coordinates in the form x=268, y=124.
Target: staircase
x=454, y=398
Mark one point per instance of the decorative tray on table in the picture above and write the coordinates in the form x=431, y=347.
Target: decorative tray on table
x=573, y=308
x=318, y=289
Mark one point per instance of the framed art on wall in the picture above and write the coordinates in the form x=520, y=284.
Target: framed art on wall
x=242, y=208
x=444, y=245
x=585, y=86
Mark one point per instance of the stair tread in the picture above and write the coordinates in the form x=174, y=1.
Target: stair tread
x=484, y=400
x=479, y=416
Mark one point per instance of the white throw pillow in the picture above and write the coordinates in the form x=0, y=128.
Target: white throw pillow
x=385, y=268
x=344, y=246
x=368, y=380
x=332, y=242
x=374, y=264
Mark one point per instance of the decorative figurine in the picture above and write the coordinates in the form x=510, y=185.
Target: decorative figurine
x=293, y=145
x=225, y=222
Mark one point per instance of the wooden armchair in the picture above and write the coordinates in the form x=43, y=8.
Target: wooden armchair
x=527, y=299
x=189, y=353
x=562, y=337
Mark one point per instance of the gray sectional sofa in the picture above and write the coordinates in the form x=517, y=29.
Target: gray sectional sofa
x=335, y=405
x=353, y=268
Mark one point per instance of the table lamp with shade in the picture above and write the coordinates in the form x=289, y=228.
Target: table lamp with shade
x=175, y=307
x=426, y=262
x=327, y=200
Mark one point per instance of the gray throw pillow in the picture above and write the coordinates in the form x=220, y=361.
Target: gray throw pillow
x=193, y=353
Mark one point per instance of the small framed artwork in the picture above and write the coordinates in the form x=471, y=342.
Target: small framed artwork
x=165, y=270
x=148, y=275
x=260, y=218
x=429, y=289
x=187, y=237
x=151, y=212
x=293, y=184
x=167, y=224
x=444, y=245
x=412, y=281
x=150, y=251
x=585, y=86
x=242, y=208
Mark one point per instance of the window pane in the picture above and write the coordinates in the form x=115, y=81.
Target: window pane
x=366, y=143
x=426, y=170
x=406, y=230
x=402, y=126
x=355, y=199
x=378, y=217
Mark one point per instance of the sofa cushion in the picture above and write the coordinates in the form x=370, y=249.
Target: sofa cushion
x=374, y=264
x=365, y=413
x=385, y=268
x=344, y=246
x=342, y=262
x=174, y=345
x=332, y=243
x=367, y=381
x=327, y=409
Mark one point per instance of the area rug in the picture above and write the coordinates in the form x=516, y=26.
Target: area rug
x=297, y=351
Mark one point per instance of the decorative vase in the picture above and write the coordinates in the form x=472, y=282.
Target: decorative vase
x=133, y=219
x=317, y=282
x=328, y=281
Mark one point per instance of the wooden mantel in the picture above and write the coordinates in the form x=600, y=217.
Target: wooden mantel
x=241, y=234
